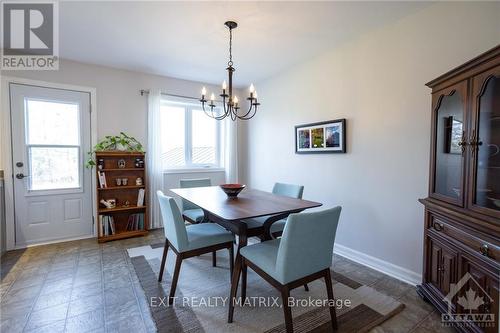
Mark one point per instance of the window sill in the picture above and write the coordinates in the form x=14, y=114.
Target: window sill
x=193, y=170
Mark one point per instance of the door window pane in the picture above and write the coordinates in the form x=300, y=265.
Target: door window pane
x=448, y=152
x=54, y=168
x=204, y=136
x=52, y=123
x=172, y=135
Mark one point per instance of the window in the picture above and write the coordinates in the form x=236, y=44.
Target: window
x=53, y=144
x=190, y=139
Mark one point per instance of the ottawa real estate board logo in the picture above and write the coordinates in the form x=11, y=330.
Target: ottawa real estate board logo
x=30, y=35
x=477, y=304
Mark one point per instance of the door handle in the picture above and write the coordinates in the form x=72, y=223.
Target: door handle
x=21, y=176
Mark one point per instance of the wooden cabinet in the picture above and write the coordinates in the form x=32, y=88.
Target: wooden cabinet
x=462, y=212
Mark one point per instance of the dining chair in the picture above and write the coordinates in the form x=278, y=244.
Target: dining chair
x=257, y=226
x=190, y=211
x=303, y=254
x=189, y=241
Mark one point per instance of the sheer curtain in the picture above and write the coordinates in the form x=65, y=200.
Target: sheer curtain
x=231, y=150
x=153, y=153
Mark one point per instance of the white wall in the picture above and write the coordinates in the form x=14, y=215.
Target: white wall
x=120, y=106
x=377, y=83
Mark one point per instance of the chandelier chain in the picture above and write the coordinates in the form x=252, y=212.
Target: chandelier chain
x=230, y=62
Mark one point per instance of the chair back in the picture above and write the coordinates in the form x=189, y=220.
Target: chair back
x=173, y=223
x=288, y=190
x=188, y=183
x=306, y=246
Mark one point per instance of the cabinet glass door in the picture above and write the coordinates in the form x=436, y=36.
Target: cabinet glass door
x=449, y=126
x=484, y=143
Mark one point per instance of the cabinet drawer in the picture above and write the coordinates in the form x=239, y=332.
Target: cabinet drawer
x=474, y=243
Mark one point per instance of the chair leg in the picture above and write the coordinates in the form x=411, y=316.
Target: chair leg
x=243, y=281
x=177, y=269
x=163, y=260
x=231, y=259
x=214, y=259
x=306, y=287
x=329, y=290
x=285, y=294
x=234, y=288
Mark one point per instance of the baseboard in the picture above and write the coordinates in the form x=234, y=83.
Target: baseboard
x=385, y=267
x=54, y=241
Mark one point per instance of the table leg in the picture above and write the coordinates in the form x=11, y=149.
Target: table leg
x=242, y=242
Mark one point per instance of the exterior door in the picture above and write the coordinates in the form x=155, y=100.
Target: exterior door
x=52, y=189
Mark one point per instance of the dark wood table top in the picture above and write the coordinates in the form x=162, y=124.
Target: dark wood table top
x=249, y=203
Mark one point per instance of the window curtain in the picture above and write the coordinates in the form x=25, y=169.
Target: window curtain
x=231, y=150
x=153, y=153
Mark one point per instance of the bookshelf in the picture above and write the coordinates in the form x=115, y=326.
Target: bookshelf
x=126, y=219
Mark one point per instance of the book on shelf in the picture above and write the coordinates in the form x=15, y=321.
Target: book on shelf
x=107, y=225
x=140, y=198
x=135, y=222
x=102, y=179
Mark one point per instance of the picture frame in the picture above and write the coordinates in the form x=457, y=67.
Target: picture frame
x=453, y=135
x=324, y=137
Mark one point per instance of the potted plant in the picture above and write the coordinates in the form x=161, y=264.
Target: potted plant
x=122, y=142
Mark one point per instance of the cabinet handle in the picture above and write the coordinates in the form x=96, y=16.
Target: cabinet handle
x=474, y=142
x=438, y=226
x=484, y=249
x=463, y=143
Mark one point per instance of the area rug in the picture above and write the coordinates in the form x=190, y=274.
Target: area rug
x=201, y=303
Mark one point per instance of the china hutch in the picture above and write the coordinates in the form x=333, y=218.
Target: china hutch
x=462, y=212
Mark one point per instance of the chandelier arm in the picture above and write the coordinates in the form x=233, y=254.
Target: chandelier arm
x=248, y=112
x=203, y=107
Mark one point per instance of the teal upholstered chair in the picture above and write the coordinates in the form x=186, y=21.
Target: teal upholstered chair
x=190, y=211
x=189, y=241
x=255, y=225
x=303, y=254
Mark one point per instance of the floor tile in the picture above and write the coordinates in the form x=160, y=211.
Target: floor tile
x=85, y=322
x=391, y=286
x=86, y=290
x=47, y=316
x=55, y=327
x=52, y=299
x=86, y=304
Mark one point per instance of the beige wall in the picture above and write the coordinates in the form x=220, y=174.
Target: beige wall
x=120, y=106
x=377, y=82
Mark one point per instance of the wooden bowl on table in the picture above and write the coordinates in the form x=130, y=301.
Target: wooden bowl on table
x=232, y=190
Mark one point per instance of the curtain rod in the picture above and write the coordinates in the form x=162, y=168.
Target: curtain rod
x=144, y=91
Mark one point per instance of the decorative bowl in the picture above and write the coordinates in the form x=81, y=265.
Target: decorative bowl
x=232, y=190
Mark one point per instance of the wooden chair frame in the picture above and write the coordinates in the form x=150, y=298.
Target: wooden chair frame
x=189, y=254
x=284, y=289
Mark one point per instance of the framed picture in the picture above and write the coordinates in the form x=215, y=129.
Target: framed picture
x=322, y=137
x=453, y=135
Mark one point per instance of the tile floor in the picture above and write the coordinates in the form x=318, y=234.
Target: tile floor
x=82, y=286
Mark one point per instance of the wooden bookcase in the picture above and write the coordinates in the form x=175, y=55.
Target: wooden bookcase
x=121, y=193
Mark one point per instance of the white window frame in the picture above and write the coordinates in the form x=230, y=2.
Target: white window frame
x=189, y=108
x=58, y=190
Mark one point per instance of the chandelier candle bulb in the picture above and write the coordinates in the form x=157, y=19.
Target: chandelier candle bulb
x=252, y=88
x=212, y=98
x=224, y=85
x=203, y=92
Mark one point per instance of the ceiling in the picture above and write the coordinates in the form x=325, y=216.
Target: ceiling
x=188, y=39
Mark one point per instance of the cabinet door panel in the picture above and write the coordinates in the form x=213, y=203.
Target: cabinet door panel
x=479, y=293
x=442, y=269
x=484, y=144
x=448, y=153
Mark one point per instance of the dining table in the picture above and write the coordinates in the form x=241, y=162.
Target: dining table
x=230, y=213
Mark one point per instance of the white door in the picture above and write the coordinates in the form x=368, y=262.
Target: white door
x=52, y=188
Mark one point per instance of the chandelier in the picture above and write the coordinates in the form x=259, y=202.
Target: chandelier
x=230, y=102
